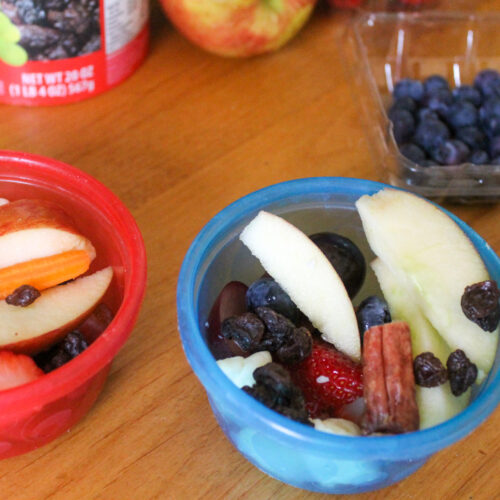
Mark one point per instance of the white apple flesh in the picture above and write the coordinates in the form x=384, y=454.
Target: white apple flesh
x=435, y=404
x=304, y=272
x=337, y=426
x=416, y=239
x=57, y=311
x=31, y=229
x=240, y=370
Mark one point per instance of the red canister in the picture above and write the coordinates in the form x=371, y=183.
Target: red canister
x=62, y=51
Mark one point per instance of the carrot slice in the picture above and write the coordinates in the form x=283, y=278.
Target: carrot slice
x=44, y=272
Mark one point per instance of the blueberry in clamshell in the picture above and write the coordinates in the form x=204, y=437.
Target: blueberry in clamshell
x=489, y=116
x=409, y=88
x=467, y=93
x=431, y=133
x=472, y=136
x=440, y=101
x=345, y=257
x=462, y=114
x=266, y=292
x=403, y=124
x=427, y=114
x=404, y=103
x=488, y=83
x=452, y=152
x=435, y=82
x=428, y=163
x=479, y=157
x=495, y=146
x=372, y=311
x=412, y=152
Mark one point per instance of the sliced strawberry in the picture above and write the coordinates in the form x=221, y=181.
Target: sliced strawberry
x=17, y=369
x=328, y=379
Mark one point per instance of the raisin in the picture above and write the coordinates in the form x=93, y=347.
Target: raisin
x=278, y=328
x=275, y=389
x=480, y=303
x=298, y=347
x=246, y=330
x=23, y=296
x=461, y=372
x=428, y=370
x=291, y=344
x=70, y=347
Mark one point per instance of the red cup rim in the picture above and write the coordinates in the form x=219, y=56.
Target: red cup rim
x=68, y=377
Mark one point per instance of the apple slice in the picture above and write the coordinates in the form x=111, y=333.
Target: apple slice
x=303, y=271
x=435, y=404
x=338, y=426
x=416, y=239
x=31, y=229
x=58, y=310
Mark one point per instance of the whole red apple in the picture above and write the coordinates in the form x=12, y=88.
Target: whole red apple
x=239, y=27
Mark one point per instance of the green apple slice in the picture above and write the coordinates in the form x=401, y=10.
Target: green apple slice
x=435, y=404
x=303, y=271
x=416, y=239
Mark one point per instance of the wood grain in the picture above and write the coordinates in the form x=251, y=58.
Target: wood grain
x=183, y=137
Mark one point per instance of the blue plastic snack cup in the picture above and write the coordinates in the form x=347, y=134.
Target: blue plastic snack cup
x=287, y=450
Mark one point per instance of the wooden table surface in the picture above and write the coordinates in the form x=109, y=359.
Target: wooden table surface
x=184, y=136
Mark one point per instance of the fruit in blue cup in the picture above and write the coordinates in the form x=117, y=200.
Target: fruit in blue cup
x=291, y=451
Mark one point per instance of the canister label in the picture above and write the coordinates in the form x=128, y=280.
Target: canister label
x=61, y=51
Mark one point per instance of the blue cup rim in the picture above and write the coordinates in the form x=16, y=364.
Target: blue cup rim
x=404, y=446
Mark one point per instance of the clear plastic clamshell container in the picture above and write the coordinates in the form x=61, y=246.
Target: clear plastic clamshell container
x=390, y=46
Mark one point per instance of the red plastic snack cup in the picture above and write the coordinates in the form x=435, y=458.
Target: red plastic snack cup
x=62, y=51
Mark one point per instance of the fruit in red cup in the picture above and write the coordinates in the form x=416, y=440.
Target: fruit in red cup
x=114, y=276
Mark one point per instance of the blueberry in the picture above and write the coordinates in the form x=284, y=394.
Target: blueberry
x=266, y=292
x=489, y=115
x=452, y=152
x=345, y=257
x=409, y=88
x=472, y=136
x=431, y=133
x=427, y=114
x=488, y=83
x=371, y=312
x=404, y=103
x=495, y=161
x=439, y=101
x=403, y=125
x=467, y=93
x=479, y=157
x=495, y=146
x=412, y=152
x=434, y=83
x=462, y=114
x=428, y=163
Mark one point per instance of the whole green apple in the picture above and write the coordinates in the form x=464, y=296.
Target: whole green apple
x=239, y=27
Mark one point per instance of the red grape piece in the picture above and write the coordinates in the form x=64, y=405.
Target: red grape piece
x=230, y=302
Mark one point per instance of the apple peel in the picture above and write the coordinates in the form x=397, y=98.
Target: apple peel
x=303, y=271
